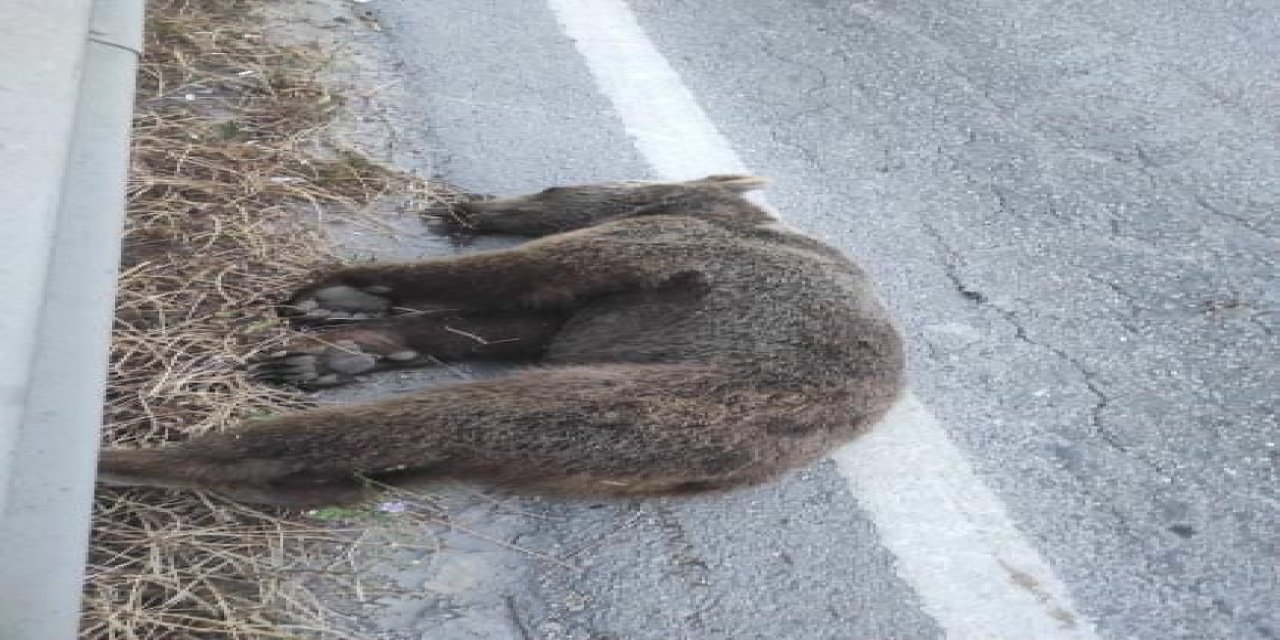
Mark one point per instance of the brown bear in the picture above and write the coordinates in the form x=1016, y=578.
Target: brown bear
x=678, y=339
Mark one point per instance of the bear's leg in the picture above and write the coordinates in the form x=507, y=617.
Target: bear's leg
x=253, y=480
x=567, y=208
x=336, y=356
x=613, y=429
x=547, y=273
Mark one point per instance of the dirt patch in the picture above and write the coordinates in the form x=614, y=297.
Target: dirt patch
x=235, y=171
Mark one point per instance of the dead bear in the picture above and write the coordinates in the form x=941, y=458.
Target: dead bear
x=677, y=339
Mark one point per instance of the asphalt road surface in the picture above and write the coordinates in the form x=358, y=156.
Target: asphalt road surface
x=1071, y=205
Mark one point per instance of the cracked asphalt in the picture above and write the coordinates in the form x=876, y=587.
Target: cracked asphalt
x=1071, y=205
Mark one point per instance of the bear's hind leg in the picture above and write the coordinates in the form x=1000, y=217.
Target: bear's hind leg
x=247, y=479
x=609, y=429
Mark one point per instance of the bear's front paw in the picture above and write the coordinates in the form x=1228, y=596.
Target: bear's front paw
x=339, y=302
x=320, y=361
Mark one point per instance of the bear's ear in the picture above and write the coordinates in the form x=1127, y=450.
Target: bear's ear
x=738, y=182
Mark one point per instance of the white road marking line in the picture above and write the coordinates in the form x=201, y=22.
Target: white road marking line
x=663, y=118
x=954, y=542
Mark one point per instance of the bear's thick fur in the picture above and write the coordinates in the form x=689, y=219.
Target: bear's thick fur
x=680, y=340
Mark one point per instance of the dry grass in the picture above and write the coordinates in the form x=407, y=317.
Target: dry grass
x=229, y=164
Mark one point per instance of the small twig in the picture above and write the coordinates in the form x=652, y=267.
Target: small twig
x=477, y=338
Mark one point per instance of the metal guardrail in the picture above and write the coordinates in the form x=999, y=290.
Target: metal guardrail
x=67, y=73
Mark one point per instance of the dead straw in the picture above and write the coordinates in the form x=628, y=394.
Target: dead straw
x=230, y=171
